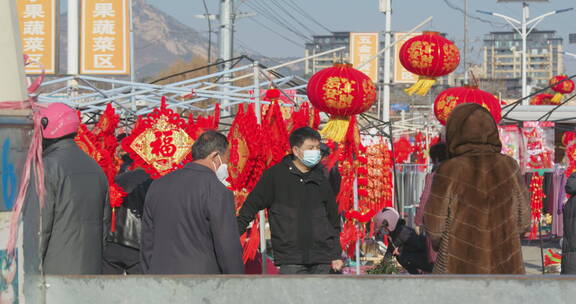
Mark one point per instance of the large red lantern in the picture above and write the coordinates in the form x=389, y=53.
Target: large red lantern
x=561, y=87
x=341, y=91
x=450, y=98
x=541, y=99
x=429, y=56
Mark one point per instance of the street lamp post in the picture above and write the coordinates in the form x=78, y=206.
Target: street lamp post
x=568, y=54
x=522, y=28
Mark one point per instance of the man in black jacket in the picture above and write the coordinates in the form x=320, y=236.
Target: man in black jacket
x=122, y=248
x=302, y=209
x=189, y=226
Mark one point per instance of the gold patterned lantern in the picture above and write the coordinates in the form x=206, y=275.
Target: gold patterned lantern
x=340, y=91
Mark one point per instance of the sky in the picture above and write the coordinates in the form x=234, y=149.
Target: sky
x=263, y=34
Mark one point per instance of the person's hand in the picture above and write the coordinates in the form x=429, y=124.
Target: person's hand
x=396, y=252
x=337, y=265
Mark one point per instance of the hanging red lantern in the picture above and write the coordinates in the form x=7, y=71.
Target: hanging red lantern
x=272, y=94
x=541, y=99
x=560, y=87
x=341, y=91
x=450, y=98
x=429, y=56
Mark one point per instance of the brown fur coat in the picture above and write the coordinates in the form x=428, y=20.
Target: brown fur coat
x=479, y=205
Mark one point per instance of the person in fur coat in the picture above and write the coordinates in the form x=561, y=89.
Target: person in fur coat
x=478, y=206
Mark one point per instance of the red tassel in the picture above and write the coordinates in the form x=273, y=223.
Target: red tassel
x=113, y=221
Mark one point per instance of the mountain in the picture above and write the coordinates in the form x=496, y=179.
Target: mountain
x=160, y=41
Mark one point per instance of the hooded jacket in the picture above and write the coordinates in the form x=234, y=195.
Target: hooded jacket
x=569, y=242
x=478, y=206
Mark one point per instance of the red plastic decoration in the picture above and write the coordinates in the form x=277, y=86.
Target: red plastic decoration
x=541, y=99
x=161, y=142
x=447, y=100
x=561, y=85
x=429, y=56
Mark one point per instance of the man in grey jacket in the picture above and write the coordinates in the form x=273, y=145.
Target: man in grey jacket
x=189, y=224
x=68, y=236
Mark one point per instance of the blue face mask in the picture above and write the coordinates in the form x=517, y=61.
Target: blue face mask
x=311, y=158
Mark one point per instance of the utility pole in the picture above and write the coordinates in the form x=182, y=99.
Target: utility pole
x=386, y=8
x=466, y=7
x=226, y=47
x=73, y=36
x=521, y=28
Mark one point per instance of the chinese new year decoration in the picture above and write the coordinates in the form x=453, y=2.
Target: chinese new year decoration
x=447, y=100
x=539, y=155
x=161, y=142
x=202, y=124
x=341, y=91
x=561, y=85
x=402, y=150
x=429, y=56
x=536, y=200
x=541, y=99
x=101, y=145
x=569, y=141
x=420, y=150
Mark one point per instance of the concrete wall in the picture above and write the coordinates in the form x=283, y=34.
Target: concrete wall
x=311, y=289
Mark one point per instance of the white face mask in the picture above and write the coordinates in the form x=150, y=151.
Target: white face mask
x=221, y=171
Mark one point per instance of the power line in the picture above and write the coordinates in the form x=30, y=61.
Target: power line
x=275, y=32
x=264, y=11
x=292, y=16
x=306, y=15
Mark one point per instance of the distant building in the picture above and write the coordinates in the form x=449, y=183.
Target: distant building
x=503, y=56
x=323, y=43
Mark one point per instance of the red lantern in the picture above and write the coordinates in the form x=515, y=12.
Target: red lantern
x=561, y=87
x=341, y=91
x=429, y=56
x=541, y=99
x=272, y=94
x=450, y=98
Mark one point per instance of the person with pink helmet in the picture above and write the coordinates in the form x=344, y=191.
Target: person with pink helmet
x=68, y=230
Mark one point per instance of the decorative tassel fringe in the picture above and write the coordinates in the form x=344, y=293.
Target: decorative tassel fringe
x=336, y=128
x=421, y=87
x=557, y=98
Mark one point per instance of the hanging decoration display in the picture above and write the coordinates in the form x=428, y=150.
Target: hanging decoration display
x=304, y=116
x=447, y=100
x=536, y=199
x=561, y=85
x=380, y=178
x=538, y=145
x=274, y=131
x=101, y=145
x=429, y=56
x=161, y=142
x=511, y=139
x=402, y=150
x=202, y=124
x=420, y=150
x=569, y=141
x=542, y=99
x=342, y=92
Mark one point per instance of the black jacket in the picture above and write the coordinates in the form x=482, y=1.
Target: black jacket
x=569, y=242
x=129, y=215
x=189, y=226
x=302, y=212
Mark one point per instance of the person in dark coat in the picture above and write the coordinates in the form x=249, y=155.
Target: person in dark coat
x=302, y=209
x=404, y=243
x=189, y=225
x=569, y=241
x=72, y=226
x=122, y=249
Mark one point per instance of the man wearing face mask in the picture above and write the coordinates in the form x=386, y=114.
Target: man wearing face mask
x=302, y=209
x=188, y=225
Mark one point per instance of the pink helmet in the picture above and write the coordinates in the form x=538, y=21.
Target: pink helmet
x=59, y=120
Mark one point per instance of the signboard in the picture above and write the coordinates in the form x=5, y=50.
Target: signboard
x=104, y=38
x=363, y=47
x=37, y=19
x=401, y=75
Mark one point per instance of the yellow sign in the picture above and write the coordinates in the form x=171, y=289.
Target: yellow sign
x=37, y=20
x=363, y=47
x=105, y=42
x=401, y=75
